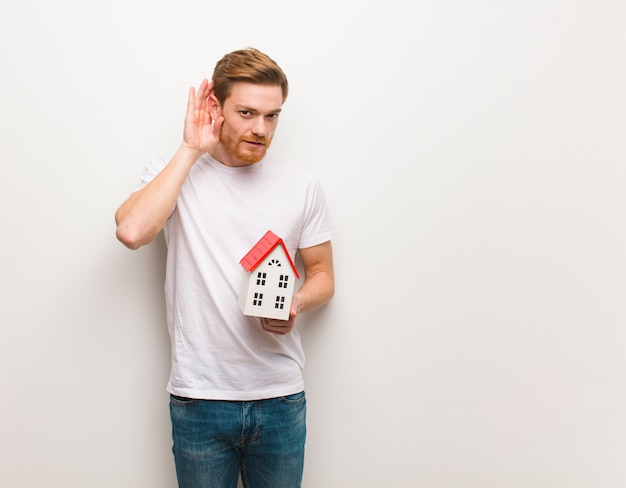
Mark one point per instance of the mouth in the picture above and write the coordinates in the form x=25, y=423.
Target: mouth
x=256, y=144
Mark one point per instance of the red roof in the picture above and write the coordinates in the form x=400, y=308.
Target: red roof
x=262, y=249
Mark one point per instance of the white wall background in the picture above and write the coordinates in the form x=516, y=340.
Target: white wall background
x=473, y=155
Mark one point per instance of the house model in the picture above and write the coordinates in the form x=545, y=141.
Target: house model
x=269, y=279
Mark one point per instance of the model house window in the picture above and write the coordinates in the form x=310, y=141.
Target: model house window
x=282, y=283
x=280, y=303
x=274, y=262
x=260, y=278
x=258, y=299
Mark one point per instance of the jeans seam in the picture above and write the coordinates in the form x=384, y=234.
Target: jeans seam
x=244, y=440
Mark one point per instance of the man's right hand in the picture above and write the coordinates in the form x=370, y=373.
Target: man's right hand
x=202, y=131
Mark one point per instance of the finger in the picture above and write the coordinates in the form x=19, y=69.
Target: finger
x=191, y=100
x=210, y=88
x=203, y=90
x=217, y=125
x=271, y=326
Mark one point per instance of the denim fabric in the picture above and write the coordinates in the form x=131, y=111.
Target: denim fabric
x=216, y=440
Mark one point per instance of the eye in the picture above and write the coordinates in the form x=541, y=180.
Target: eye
x=245, y=113
x=272, y=116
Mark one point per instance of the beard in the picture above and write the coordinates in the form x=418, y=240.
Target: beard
x=239, y=149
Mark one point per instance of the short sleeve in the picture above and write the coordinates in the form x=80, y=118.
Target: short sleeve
x=316, y=224
x=152, y=169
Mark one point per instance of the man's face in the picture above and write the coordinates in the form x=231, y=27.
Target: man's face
x=250, y=119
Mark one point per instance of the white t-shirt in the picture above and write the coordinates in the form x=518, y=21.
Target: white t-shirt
x=217, y=352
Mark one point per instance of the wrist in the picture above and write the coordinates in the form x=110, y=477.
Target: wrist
x=190, y=153
x=302, y=301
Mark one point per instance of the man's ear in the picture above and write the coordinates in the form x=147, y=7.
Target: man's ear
x=215, y=109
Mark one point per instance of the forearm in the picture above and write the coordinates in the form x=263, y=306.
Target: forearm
x=142, y=216
x=316, y=291
x=319, y=278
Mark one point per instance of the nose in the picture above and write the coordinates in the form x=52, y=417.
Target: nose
x=259, y=128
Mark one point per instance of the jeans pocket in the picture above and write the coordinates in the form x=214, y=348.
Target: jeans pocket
x=295, y=399
x=181, y=401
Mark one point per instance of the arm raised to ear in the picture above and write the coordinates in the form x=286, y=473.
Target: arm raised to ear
x=142, y=216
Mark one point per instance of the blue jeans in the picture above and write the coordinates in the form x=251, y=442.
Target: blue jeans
x=215, y=440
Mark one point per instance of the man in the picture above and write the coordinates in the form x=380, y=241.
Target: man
x=237, y=398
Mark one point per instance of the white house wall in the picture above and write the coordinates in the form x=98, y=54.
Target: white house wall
x=270, y=289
